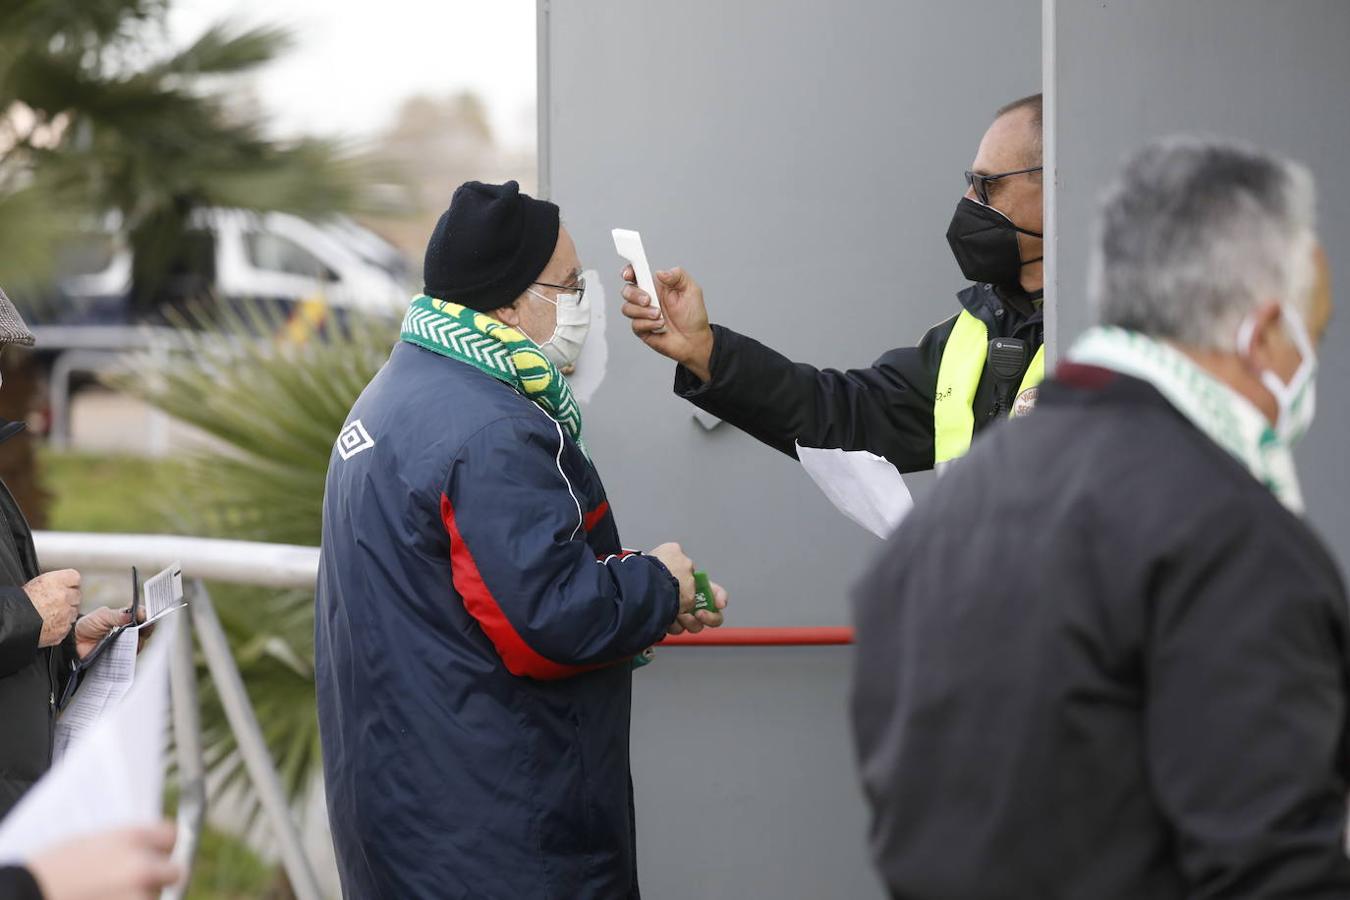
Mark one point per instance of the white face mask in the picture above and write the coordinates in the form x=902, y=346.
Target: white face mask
x=1297, y=400
x=569, y=335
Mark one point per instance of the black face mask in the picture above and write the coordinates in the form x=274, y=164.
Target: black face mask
x=984, y=242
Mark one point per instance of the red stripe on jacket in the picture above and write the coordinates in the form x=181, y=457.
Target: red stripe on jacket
x=596, y=516
x=518, y=657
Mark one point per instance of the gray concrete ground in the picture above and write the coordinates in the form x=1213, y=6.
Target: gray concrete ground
x=106, y=421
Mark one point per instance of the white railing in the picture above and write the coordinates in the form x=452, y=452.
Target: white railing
x=238, y=562
x=202, y=559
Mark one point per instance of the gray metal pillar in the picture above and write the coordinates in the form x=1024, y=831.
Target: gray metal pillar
x=252, y=746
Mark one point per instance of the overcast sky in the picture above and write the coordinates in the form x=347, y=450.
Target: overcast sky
x=355, y=60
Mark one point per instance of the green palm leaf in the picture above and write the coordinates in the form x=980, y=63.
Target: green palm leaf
x=96, y=130
x=273, y=409
x=224, y=49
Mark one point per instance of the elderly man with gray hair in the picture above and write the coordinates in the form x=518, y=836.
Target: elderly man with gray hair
x=1153, y=701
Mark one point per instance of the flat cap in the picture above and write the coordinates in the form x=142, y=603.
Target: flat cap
x=12, y=327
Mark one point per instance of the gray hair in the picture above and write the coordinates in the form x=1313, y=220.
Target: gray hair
x=1197, y=233
x=1034, y=105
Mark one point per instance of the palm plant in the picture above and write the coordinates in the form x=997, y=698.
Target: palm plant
x=272, y=410
x=96, y=115
x=99, y=115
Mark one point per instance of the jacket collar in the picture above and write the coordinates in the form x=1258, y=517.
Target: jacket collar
x=1077, y=383
x=993, y=305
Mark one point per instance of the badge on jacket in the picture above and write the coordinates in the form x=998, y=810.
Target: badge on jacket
x=1025, y=402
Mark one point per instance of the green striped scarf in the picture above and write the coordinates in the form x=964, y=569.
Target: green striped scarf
x=1227, y=417
x=497, y=349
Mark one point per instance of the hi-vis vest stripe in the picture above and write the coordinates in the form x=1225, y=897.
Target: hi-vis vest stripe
x=958, y=377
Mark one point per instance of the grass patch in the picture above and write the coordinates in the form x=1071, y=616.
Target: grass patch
x=227, y=870
x=107, y=493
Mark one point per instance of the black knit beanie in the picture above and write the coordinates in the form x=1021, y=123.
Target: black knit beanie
x=489, y=246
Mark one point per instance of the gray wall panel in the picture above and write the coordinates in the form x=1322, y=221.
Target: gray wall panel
x=743, y=771
x=1277, y=74
x=802, y=160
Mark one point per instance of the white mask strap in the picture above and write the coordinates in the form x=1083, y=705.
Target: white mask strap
x=540, y=296
x=1293, y=326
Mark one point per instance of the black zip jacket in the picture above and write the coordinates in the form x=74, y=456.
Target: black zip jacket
x=1149, y=703
x=31, y=679
x=886, y=409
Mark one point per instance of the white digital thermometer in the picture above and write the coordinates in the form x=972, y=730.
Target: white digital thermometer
x=628, y=244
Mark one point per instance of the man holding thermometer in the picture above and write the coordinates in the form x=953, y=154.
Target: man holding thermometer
x=919, y=407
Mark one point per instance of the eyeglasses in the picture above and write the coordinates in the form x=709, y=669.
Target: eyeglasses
x=980, y=183
x=578, y=288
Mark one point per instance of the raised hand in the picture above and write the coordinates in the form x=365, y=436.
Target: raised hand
x=679, y=329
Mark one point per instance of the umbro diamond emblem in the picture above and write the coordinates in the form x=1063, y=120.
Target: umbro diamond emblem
x=353, y=440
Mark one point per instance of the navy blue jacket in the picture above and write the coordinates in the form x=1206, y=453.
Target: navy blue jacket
x=475, y=620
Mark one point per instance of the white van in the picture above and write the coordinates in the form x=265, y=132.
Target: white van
x=305, y=274
x=241, y=255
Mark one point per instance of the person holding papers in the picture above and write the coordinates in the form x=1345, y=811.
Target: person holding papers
x=916, y=406
x=477, y=617
x=131, y=863
x=41, y=632
x=1154, y=700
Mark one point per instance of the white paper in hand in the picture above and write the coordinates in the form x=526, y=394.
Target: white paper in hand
x=861, y=485
x=102, y=687
x=628, y=244
x=163, y=593
x=111, y=778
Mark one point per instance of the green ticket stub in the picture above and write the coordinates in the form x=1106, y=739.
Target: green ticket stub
x=703, y=593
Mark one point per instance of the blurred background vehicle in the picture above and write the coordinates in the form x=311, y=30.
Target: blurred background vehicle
x=228, y=255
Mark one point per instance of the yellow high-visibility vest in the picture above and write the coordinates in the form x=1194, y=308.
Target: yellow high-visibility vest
x=958, y=376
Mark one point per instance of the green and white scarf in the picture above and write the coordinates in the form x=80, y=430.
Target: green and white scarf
x=497, y=349
x=1228, y=418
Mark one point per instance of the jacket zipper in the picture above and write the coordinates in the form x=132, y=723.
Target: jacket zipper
x=52, y=681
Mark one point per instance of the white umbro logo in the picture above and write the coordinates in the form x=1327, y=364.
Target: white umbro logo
x=353, y=440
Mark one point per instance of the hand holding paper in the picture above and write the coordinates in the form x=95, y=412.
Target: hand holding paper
x=114, y=775
x=111, y=865
x=94, y=627
x=107, y=641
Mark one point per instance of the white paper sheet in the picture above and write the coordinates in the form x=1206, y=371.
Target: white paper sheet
x=112, y=778
x=102, y=686
x=163, y=593
x=105, y=682
x=861, y=485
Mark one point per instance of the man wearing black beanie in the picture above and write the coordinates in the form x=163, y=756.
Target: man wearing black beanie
x=477, y=619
